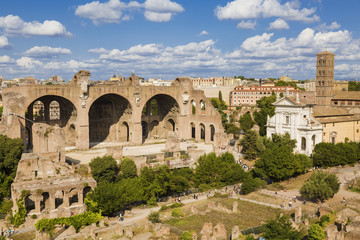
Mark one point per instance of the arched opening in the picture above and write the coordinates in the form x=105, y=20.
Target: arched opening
x=52, y=110
x=154, y=129
x=159, y=116
x=45, y=201
x=193, y=107
x=212, y=132
x=202, y=131
x=59, y=198
x=29, y=203
x=106, y=119
x=313, y=140
x=125, y=132
x=171, y=125
x=193, y=130
x=144, y=129
x=202, y=105
x=73, y=196
x=303, y=143
x=86, y=190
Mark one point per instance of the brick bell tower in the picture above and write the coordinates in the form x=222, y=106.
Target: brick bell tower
x=324, y=77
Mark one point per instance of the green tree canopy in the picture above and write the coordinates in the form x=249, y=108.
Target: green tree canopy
x=266, y=110
x=316, y=232
x=278, y=162
x=320, y=186
x=249, y=145
x=128, y=168
x=104, y=169
x=354, y=86
x=10, y=154
x=218, y=171
x=246, y=122
x=281, y=228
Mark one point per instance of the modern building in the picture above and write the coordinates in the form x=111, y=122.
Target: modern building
x=248, y=95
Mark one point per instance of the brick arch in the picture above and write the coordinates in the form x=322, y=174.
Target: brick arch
x=106, y=115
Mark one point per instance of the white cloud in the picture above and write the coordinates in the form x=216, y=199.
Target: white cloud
x=332, y=26
x=278, y=24
x=46, y=52
x=98, y=50
x=246, y=24
x=4, y=42
x=262, y=55
x=15, y=26
x=6, y=59
x=28, y=63
x=161, y=10
x=115, y=11
x=108, y=12
x=203, y=33
x=245, y=9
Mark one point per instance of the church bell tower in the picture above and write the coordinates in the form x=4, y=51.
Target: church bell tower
x=324, y=78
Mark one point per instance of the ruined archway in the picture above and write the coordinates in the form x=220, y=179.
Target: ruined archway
x=44, y=203
x=159, y=115
x=212, y=132
x=73, y=196
x=193, y=130
x=52, y=110
x=29, y=203
x=202, y=131
x=86, y=190
x=106, y=119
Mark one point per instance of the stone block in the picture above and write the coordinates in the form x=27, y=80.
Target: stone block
x=219, y=231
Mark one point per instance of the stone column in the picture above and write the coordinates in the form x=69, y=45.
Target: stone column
x=52, y=201
x=136, y=133
x=46, y=111
x=197, y=132
x=81, y=196
x=66, y=200
x=37, y=204
x=83, y=129
x=207, y=134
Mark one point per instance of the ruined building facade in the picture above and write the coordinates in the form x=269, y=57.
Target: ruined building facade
x=121, y=113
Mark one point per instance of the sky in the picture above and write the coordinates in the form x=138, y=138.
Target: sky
x=168, y=39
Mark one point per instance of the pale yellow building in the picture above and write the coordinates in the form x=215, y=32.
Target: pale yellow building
x=338, y=125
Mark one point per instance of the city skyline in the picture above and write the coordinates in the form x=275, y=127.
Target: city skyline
x=168, y=39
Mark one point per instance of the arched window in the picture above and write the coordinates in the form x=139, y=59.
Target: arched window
x=303, y=143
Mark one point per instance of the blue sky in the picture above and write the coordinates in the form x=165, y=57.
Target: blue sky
x=168, y=39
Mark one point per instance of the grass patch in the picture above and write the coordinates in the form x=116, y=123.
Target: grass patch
x=249, y=215
x=25, y=236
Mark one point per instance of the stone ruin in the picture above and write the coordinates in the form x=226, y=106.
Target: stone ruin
x=209, y=232
x=54, y=189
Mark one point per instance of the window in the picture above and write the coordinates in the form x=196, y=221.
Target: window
x=303, y=143
x=333, y=140
x=287, y=120
x=304, y=116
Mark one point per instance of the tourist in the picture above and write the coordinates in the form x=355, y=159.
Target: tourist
x=290, y=204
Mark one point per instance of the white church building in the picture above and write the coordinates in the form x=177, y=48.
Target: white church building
x=296, y=118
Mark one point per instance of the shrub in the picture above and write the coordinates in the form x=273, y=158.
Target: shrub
x=154, y=217
x=34, y=216
x=177, y=213
x=186, y=236
x=320, y=186
x=252, y=184
x=324, y=219
x=316, y=232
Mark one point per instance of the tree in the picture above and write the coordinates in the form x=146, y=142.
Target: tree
x=252, y=184
x=10, y=154
x=220, y=96
x=329, y=154
x=104, y=169
x=249, y=145
x=246, y=122
x=266, y=109
x=128, y=168
x=316, y=232
x=278, y=162
x=218, y=171
x=280, y=229
x=354, y=86
x=320, y=186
